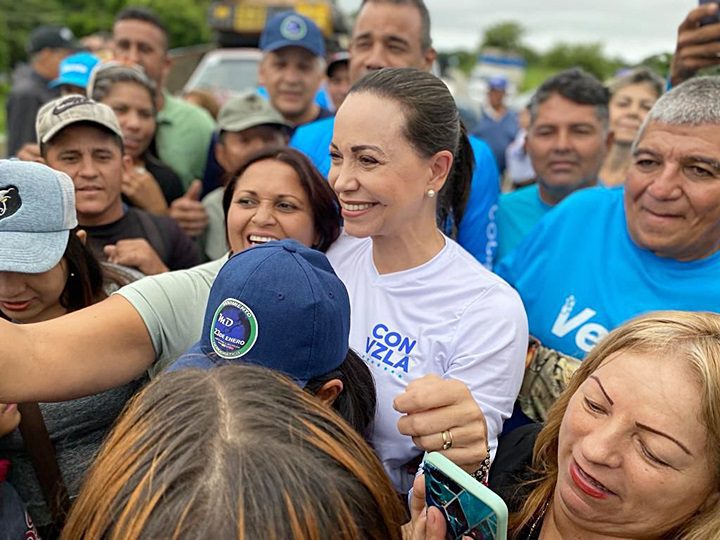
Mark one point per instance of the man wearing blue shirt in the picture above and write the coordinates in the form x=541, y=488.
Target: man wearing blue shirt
x=498, y=126
x=604, y=256
x=567, y=141
x=396, y=33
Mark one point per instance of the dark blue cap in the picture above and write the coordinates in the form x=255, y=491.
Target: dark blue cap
x=290, y=29
x=278, y=305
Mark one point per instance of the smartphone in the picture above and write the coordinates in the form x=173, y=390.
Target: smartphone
x=712, y=19
x=470, y=509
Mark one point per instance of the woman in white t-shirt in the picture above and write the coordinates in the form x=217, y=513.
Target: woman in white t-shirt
x=422, y=307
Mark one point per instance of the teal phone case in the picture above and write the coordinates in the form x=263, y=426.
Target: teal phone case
x=470, y=509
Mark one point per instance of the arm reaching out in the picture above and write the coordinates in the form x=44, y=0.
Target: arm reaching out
x=81, y=353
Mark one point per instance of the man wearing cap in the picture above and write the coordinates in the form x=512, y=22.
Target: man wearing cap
x=498, y=126
x=293, y=66
x=567, y=140
x=46, y=48
x=338, y=77
x=75, y=73
x=183, y=130
x=246, y=123
x=396, y=33
x=83, y=139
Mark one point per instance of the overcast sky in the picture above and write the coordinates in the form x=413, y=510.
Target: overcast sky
x=631, y=29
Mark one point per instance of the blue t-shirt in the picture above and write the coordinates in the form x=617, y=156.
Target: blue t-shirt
x=497, y=133
x=518, y=212
x=477, y=232
x=580, y=275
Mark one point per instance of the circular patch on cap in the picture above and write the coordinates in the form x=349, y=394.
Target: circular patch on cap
x=293, y=28
x=10, y=201
x=233, y=330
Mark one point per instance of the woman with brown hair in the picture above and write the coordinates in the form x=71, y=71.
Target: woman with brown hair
x=632, y=447
x=234, y=452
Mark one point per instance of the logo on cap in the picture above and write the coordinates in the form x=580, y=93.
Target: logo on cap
x=69, y=103
x=9, y=201
x=293, y=28
x=234, y=329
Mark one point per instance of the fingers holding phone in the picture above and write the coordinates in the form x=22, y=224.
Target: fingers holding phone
x=698, y=42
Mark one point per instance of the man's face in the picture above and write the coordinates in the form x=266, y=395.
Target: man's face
x=292, y=76
x=567, y=144
x=387, y=35
x=92, y=158
x=496, y=97
x=142, y=43
x=236, y=147
x=338, y=84
x=672, y=192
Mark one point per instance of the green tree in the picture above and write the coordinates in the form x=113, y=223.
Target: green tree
x=588, y=56
x=505, y=35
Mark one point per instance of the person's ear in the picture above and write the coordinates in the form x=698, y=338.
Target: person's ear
x=609, y=140
x=329, y=391
x=440, y=166
x=82, y=236
x=429, y=57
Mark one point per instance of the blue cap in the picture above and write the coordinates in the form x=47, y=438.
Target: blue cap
x=290, y=29
x=278, y=305
x=75, y=70
x=497, y=83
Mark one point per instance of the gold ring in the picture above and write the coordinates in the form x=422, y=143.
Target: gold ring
x=447, y=439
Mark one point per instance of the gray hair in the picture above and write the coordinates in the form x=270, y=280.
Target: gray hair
x=692, y=103
x=638, y=75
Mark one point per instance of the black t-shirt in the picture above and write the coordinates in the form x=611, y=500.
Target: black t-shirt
x=169, y=182
x=172, y=245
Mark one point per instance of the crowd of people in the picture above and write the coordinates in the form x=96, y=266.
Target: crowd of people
x=254, y=321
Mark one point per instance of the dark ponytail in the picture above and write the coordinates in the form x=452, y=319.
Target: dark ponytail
x=454, y=195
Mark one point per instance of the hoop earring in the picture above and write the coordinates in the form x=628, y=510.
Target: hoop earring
x=430, y=193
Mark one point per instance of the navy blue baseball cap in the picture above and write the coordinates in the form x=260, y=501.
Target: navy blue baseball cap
x=290, y=29
x=278, y=305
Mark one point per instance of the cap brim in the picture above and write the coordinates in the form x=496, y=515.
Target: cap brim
x=194, y=358
x=69, y=122
x=287, y=43
x=31, y=252
x=60, y=81
x=242, y=125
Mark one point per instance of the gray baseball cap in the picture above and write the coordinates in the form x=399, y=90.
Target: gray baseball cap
x=37, y=213
x=60, y=113
x=248, y=110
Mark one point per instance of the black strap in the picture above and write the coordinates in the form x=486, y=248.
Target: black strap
x=44, y=461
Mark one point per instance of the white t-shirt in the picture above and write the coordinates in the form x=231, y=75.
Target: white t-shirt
x=450, y=317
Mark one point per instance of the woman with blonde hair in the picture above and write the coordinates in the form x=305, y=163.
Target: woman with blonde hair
x=235, y=452
x=632, y=448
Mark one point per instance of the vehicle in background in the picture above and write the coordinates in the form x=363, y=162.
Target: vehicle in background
x=226, y=72
x=239, y=23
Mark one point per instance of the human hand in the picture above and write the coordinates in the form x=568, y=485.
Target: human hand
x=136, y=253
x=189, y=212
x=425, y=523
x=431, y=406
x=141, y=188
x=697, y=46
x=30, y=152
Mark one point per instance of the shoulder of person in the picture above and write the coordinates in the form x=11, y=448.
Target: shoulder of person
x=512, y=468
x=318, y=128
